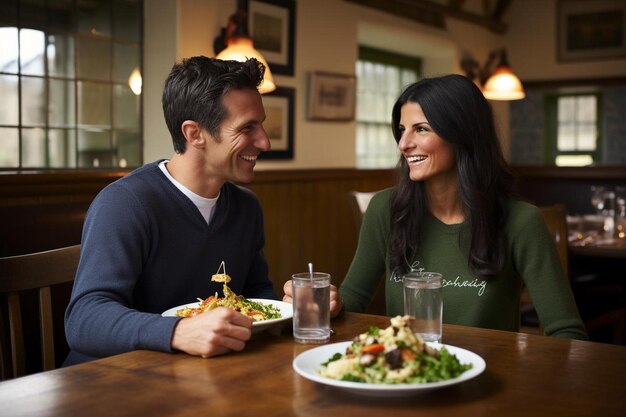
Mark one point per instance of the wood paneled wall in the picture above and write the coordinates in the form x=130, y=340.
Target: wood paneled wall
x=308, y=217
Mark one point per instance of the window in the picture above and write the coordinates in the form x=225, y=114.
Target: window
x=573, y=121
x=66, y=70
x=381, y=77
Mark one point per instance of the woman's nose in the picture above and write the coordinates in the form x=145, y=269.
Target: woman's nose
x=403, y=143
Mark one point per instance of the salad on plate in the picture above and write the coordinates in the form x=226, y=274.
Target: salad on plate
x=256, y=310
x=394, y=355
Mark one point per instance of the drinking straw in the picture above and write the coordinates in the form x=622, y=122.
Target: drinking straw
x=311, y=270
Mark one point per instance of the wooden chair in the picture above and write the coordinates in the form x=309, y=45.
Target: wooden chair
x=556, y=221
x=594, y=312
x=359, y=201
x=18, y=275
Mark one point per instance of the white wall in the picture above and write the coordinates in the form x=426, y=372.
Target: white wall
x=160, y=34
x=328, y=33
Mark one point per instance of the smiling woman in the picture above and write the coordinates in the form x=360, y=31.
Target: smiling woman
x=453, y=211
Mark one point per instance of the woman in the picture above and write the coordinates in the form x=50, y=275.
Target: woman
x=452, y=211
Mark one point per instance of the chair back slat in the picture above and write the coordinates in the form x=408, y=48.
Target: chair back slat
x=16, y=334
x=45, y=326
x=555, y=217
x=22, y=273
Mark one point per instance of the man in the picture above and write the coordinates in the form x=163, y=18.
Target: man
x=153, y=239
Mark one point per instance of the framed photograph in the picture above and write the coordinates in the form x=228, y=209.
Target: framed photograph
x=591, y=30
x=272, y=27
x=331, y=96
x=279, y=122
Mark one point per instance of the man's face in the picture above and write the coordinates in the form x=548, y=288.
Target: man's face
x=232, y=155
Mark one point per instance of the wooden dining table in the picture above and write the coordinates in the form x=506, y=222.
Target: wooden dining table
x=525, y=375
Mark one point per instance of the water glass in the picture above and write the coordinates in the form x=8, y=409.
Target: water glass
x=423, y=300
x=311, y=307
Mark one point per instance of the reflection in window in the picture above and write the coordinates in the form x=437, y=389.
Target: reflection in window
x=65, y=68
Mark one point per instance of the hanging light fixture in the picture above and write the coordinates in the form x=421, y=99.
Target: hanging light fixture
x=235, y=43
x=503, y=84
x=499, y=83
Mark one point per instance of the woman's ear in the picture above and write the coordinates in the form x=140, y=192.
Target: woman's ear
x=193, y=133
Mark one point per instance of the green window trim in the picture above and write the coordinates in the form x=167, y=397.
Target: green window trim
x=551, y=150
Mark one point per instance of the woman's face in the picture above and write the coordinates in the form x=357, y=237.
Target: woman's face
x=428, y=156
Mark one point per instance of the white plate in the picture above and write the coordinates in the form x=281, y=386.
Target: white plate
x=286, y=312
x=308, y=363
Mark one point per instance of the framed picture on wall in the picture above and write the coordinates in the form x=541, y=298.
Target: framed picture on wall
x=591, y=30
x=279, y=122
x=331, y=96
x=272, y=25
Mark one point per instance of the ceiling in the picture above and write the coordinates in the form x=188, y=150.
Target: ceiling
x=485, y=13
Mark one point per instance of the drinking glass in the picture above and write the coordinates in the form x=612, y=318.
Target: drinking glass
x=598, y=198
x=423, y=300
x=311, y=307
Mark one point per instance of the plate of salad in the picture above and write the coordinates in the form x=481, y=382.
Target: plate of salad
x=388, y=362
x=264, y=313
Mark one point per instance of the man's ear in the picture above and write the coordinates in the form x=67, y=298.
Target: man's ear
x=193, y=133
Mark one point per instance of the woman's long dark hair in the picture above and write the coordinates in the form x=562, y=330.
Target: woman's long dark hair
x=459, y=113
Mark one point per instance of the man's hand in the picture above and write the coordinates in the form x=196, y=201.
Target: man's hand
x=335, y=300
x=212, y=333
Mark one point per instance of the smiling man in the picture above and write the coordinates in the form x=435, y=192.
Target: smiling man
x=153, y=239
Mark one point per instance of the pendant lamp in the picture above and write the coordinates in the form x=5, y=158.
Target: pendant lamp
x=234, y=43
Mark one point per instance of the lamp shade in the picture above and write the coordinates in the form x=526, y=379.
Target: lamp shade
x=503, y=84
x=241, y=48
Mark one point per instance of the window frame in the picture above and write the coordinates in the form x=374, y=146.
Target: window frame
x=71, y=132
x=552, y=123
x=385, y=57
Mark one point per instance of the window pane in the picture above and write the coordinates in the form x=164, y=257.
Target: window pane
x=126, y=14
x=587, y=138
x=94, y=148
x=33, y=101
x=566, y=109
x=408, y=77
x=94, y=104
x=126, y=59
x=379, y=84
x=94, y=58
x=128, y=145
x=586, y=109
x=62, y=103
x=126, y=108
x=62, y=148
x=61, y=55
x=573, y=160
x=9, y=147
x=566, y=138
x=32, y=47
x=9, y=103
x=392, y=78
x=9, y=48
x=33, y=148
x=94, y=17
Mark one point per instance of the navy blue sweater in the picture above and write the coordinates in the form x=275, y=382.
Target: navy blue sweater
x=146, y=248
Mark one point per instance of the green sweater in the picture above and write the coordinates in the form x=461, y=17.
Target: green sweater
x=469, y=301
